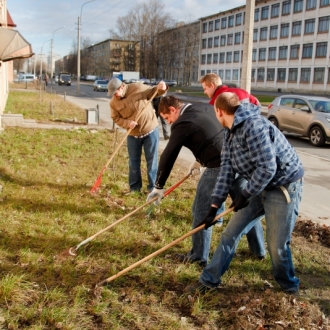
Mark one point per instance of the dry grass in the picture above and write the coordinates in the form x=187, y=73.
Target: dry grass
x=46, y=207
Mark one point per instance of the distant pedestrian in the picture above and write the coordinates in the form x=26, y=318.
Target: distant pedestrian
x=46, y=79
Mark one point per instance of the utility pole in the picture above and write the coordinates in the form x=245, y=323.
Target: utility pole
x=51, y=56
x=248, y=46
x=78, y=58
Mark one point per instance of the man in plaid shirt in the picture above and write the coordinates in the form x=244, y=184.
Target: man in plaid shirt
x=254, y=148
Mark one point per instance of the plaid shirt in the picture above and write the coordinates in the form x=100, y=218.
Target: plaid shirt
x=257, y=150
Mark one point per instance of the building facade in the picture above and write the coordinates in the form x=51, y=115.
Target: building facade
x=290, y=45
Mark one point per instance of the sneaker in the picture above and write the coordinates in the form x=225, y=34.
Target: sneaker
x=185, y=258
x=198, y=287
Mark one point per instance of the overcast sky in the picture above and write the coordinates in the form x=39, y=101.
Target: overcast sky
x=37, y=20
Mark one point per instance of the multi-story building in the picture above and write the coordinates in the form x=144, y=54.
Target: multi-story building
x=290, y=45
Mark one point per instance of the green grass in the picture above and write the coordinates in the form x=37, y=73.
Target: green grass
x=46, y=208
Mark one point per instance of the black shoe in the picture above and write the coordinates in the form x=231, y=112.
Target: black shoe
x=185, y=258
x=198, y=287
x=293, y=292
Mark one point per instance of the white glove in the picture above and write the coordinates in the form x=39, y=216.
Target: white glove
x=156, y=193
x=195, y=169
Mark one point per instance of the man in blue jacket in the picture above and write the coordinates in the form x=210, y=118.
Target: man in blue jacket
x=196, y=128
x=254, y=148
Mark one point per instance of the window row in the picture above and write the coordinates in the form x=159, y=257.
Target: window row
x=223, y=40
x=275, y=10
x=283, y=31
x=291, y=75
x=291, y=52
x=270, y=54
x=286, y=8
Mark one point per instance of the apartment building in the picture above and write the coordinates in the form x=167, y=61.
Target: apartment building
x=290, y=45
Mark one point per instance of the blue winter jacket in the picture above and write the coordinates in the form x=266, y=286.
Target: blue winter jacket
x=257, y=150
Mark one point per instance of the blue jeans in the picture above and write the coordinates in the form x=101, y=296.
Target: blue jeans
x=149, y=144
x=201, y=241
x=280, y=220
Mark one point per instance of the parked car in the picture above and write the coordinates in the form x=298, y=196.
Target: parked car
x=26, y=77
x=170, y=82
x=100, y=85
x=305, y=115
x=64, y=79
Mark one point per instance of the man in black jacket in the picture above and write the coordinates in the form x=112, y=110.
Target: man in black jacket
x=197, y=128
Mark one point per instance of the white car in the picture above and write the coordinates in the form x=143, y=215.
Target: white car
x=100, y=85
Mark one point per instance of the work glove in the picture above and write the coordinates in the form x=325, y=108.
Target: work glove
x=240, y=202
x=156, y=193
x=208, y=220
x=195, y=169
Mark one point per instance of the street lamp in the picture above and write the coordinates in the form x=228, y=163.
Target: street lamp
x=51, y=55
x=41, y=59
x=78, y=54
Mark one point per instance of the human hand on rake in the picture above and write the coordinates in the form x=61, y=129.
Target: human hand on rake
x=156, y=192
x=195, y=169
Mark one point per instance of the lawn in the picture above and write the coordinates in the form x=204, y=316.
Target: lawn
x=45, y=182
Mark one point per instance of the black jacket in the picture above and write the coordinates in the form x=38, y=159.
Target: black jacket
x=197, y=129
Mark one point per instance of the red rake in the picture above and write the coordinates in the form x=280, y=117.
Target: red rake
x=99, y=178
x=72, y=251
x=124, y=271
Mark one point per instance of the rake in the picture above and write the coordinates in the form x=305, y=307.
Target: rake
x=99, y=178
x=124, y=271
x=72, y=250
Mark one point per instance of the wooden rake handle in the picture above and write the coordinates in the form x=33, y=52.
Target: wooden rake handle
x=124, y=271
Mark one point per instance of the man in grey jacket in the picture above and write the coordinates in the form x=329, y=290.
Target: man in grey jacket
x=254, y=148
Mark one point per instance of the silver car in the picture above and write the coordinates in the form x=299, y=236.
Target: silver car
x=305, y=115
x=100, y=85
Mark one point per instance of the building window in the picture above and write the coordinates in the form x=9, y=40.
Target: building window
x=283, y=52
x=324, y=24
x=231, y=21
x=275, y=11
x=281, y=74
x=329, y=75
x=294, y=51
x=235, y=74
x=264, y=12
x=254, y=55
x=217, y=25
x=307, y=51
x=204, y=27
x=210, y=26
x=223, y=22
x=309, y=26
x=215, y=58
x=228, y=75
x=296, y=28
x=236, y=56
x=202, y=73
x=272, y=53
x=223, y=41
x=221, y=74
x=203, y=59
x=230, y=39
x=293, y=75
x=321, y=49
x=239, y=19
x=255, y=35
x=256, y=15
x=222, y=58
x=273, y=32
x=319, y=74
x=270, y=74
x=310, y=4
x=209, y=42
x=263, y=33
x=204, y=43
x=298, y=6
x=209, y=58
x=305, y=75
x=253, y=74
x=216, y=41
x=285, y=30
x=324, y=3
x=238, y=38
x=229, y=57
x=286, y=7
x=261, y=74
x=262, y=54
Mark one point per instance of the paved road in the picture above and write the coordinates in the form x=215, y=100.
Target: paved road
x=315, y=204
